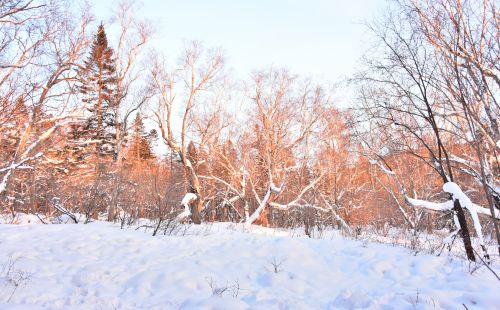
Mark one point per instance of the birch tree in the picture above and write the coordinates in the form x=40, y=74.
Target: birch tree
x=199, y=70
x=284, y=118
x=48, y=95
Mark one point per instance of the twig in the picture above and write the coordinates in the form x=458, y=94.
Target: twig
x=489, y=268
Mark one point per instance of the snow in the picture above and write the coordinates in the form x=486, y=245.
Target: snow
x=465, y=202
x=188, y=198
x=23, y=218
x=436, y=206
x=275, y=189
x=256, y=213
x=449, y=240
x=3, y=184
x=485, y=211
x=224, y=266
x=13, y=166
x=455, y=190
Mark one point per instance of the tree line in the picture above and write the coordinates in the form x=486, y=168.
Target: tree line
x=83, y=115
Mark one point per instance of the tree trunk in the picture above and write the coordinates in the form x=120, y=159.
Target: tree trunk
x=262, y=220
x=489, y=196
x=117, y=179
x=9, y=174
x=464, y=231
x=196, y=209
x=195, y=188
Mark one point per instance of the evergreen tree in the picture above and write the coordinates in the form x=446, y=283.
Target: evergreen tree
x=98, y=79
x=141, y=141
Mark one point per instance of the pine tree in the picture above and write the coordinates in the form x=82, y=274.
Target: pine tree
x=97, y=86
x=141, y=141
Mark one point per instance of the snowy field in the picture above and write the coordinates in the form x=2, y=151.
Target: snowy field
x=99, y=266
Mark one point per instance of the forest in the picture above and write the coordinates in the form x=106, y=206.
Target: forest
x=95, y=124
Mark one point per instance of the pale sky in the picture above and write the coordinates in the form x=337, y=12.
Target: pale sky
x=322, y=39
x=318, y=39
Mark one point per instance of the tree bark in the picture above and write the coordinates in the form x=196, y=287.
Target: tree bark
x=464, y=230
x=196, y=207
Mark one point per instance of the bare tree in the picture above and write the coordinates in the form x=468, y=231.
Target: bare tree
x=464, y=35
x=400, y=95
x=198, y=72
x=284, y=117
x=131, y=92
x=47, y=100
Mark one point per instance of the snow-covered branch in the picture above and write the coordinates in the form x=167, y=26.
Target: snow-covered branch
x=435, y=206
x=456, y=192
x=255, y=215
x=296, y=201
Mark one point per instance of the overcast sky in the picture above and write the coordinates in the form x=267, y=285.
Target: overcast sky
x=317, y=38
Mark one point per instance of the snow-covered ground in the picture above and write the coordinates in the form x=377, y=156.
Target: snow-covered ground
x=99, y=266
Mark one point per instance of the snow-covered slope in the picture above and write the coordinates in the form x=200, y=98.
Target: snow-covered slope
x=99, y=266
